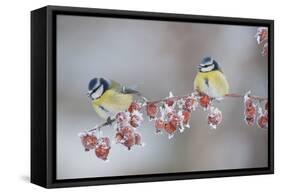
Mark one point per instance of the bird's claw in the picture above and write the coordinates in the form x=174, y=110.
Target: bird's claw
x=109, y=120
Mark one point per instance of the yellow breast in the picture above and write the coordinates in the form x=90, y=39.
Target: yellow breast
x=112, y=102
x=212, y=83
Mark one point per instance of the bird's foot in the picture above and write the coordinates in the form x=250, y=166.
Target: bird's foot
x=109, y=120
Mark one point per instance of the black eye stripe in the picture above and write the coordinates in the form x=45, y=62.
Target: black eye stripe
x=204, y=66
x=93, y=91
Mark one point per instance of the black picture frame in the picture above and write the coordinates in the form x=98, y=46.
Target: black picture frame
x=43, y=96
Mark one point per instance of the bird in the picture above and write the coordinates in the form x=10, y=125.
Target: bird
x=210, y=79
x=109, y=97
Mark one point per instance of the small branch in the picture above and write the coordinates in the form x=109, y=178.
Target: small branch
x=170, y=98
x=242, y=96
x=232, y=95
x=108, y=122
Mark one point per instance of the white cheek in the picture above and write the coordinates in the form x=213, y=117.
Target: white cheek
x=97, y=93
x=209, y=68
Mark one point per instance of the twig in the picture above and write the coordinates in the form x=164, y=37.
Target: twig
x=108, y=122
x=242, y=96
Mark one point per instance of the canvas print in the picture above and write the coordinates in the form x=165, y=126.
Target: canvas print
x=139, y=97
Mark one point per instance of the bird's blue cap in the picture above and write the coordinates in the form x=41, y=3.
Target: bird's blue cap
x=92, y=83
x=206, y=60
x=98, y=81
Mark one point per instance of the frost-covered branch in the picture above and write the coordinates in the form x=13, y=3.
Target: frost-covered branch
x=169, y=115
x=110, y=121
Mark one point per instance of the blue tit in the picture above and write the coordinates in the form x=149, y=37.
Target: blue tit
x=210, y=79
x=109, y=97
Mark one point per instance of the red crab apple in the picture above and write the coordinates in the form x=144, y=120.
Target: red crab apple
x=250, y=111
x=136, y=119
x=174, y=120
x=159, y=124
x=186, y=117
x=205, y=101
x=170, y=102
x=263, y=121
x=89, y=141
x=102, y=152
x=190, y=103
x=152, y=110
x=103, y=147
x=130, y=141
x=135, y=106
x=170, y=128
x=214, y=117
x=250, y=121
x=126, y=136
x=121, y=116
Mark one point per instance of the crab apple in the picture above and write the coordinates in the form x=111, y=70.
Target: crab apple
x=214, y=117
x=102, y=151
x=152, y=110
x=135, y=106
x=102, y=148
x=250, y=111
x=170, y=113
x=250, y=121
x=134, y=121
x=174, y=120
x=159, y=124
x=122, y=120
x=129, y=140
x=118, y=137
x=170, y=127
x=126, y=130
x=248, y=101
x=263, y=121
x=262, y=34
x=205, y=101
x=126, y=136
x=170, y=102
x=186, y=117
x=190, y=103
x=89, y=141
x=121, y=117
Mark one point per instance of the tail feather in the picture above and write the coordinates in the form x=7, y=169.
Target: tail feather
x=126, y=90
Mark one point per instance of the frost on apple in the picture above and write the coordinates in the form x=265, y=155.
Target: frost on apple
x=214, y=117
x=262, y=39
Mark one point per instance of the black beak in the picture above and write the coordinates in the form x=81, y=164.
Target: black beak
x=88, y=94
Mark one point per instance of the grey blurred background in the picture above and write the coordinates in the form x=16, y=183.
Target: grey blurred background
x=159, y=57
